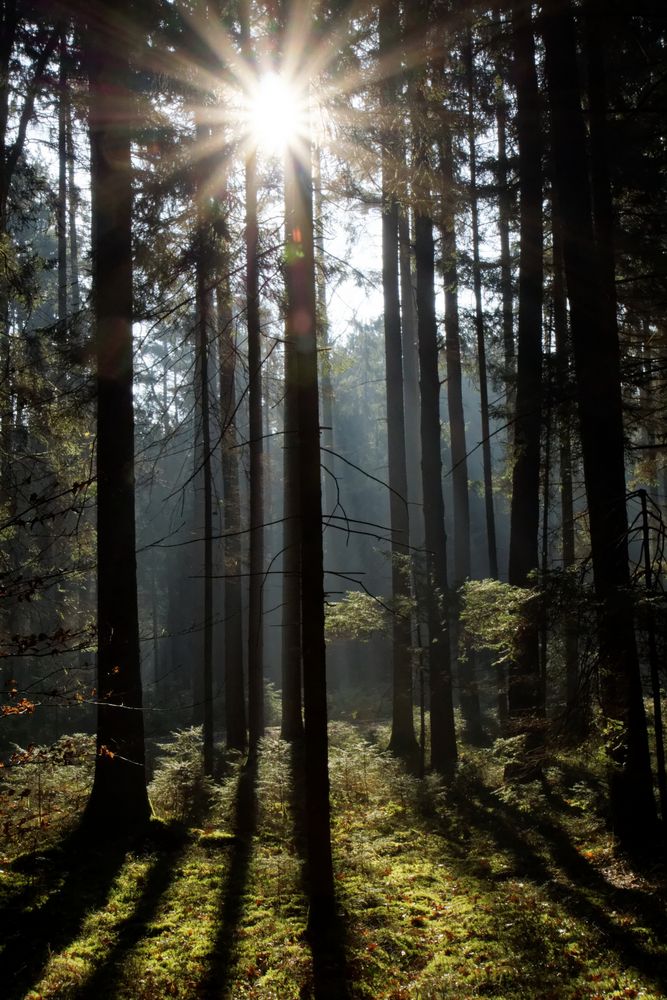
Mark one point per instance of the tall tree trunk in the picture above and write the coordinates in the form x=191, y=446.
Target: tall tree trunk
x=525, y=698
x=443, y=734
x=479, y=323
x=402, y=741
x=72, y=205
x=577, y=708
x=410, y=377
x=468, y=691
x=301, y=330
x=235, y=712
x=504, y=216
x=324, y=347
x=118, y=798
x=61, y=215
x=203, y=438
x=292, y=722
x=597, y=372
x=256, y=561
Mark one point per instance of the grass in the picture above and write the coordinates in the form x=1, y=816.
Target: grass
x=471, y=890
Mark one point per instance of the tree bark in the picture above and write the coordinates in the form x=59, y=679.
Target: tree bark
x=468, y=692
x=526, y=706
x=256, y=561
x=302, y=329
x=402, y=741
x=597, y=373
x=203, y=439
x=479, y=323
x=235, y=712
x=118, y=799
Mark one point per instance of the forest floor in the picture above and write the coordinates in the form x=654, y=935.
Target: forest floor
x=472, y=890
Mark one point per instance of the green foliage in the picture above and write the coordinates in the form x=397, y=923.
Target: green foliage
x=273, y=708
x=180, y=789
x=493, y=613
x=446, y=891
x=357, y=616
x=43, y=789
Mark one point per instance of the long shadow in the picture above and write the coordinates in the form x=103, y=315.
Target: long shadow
x=216, y=984
x=104, y=980
x=32, y=930
x=326, y=938
x=511, y=828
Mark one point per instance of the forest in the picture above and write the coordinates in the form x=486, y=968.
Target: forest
x=333, y=499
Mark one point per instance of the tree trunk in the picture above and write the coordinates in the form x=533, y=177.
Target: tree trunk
x=525, y=695
x=577, y=707
x=292, y=722
x=61, y=212
x=118, y=798
x=402, y=741
x=468, y=691
x=597, y=372
x=203, y=438
x=301, y=330
x=324, y=347
x=504, y=216
x=479, y=325
x=256, y=561
x=235, y=712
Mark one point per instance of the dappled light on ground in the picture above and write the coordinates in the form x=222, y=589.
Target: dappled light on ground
x=471, y=890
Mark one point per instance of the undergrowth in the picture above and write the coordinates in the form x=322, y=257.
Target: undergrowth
x=471, y=889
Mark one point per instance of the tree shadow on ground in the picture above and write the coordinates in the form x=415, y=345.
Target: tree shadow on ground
x=326, y=937
x=104, y=979
x=32, y=928
x=216, y=984
x=543, y=851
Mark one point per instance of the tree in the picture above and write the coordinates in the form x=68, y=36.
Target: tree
x=525, y=696
x=118, y=798
x=443, y=735
x=598, y=384
x=256, y=561
x=301, y=324
x=402, y=740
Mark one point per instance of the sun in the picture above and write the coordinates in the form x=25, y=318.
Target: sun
x=276, y=114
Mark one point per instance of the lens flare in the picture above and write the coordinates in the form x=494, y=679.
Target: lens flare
x=276, y=114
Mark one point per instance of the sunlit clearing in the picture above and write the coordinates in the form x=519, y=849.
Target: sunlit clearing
x=276, y=114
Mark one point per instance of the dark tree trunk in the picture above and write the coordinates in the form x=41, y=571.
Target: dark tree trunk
x=292, y=722
x=61, y=213
x=402, y=741
x=118, y=798
x=479, y=325
x=256, y=560
x=326, y=391
x=443, y=734
x=468, y=691
x=504, y=218
x=577, y=707
x=301, y=329
x=72, y=205
x=597, y=373
x=410, y=378
x=525, y=692
x=203, y=439
x=235, y=712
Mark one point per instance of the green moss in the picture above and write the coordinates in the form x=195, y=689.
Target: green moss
x=450, y=891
